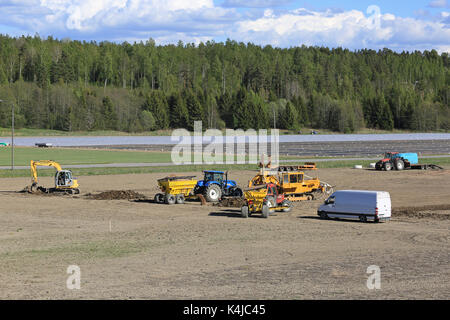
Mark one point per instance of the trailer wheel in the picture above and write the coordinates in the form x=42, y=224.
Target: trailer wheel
x=399, y=164
x=170, y=199
x=244, y=212
x=363, y=218
x=159, y=198
x=387, y=166
x=180, y=198
x=265, y=211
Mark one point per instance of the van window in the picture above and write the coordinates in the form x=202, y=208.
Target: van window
x=300, y=178
x=286, y=178
x=293, y=178
x=330, y=200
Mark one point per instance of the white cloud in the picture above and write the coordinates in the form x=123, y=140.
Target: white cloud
x=200, y=20
x=438, y=4
x=255, y=3
x=351, y=29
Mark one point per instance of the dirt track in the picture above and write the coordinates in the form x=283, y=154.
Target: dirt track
x=188, y=251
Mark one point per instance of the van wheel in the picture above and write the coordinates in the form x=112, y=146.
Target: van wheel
x=363, y=218
x=323, y=215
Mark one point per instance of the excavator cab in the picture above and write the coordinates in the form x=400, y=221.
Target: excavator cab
x=63, y=179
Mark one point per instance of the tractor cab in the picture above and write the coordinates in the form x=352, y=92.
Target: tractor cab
x=213, y=176
x=390, y=155
x=272, y=193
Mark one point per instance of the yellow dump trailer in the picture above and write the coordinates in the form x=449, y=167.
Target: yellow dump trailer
x=176, y=189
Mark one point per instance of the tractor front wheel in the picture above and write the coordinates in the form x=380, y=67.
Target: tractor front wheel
x=271, y=202
x=288, y=204
x=387, y=166
x=213, y=193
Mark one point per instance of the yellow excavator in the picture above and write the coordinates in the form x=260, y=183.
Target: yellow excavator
x=64, y=180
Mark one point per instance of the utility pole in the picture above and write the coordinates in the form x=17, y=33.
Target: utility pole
x=12, y=137
x=12, y=134
x=274, y=119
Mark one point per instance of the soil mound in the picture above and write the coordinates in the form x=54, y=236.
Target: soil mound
x=116, y=195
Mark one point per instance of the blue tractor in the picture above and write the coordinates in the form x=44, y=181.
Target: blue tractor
x=216, y=185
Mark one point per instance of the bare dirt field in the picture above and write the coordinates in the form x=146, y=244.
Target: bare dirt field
x=142, y=250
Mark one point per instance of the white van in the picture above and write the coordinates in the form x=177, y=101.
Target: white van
x=357, y=204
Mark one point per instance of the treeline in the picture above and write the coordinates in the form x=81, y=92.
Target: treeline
x=73, y=85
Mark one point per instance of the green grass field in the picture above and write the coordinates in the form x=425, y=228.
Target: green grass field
x=65, y=157
x=70, y=156
x=6, y=173
x=25, y=132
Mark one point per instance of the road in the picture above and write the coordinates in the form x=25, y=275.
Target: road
x=168, y=164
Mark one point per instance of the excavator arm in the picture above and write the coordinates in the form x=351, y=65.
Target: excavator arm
x=45, y=163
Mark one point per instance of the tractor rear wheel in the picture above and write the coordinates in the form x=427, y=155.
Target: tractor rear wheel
x=213, y=193
x=387, y=166
x=170, y=199
x=399, y=164
x=244, y=212
x=237, y=193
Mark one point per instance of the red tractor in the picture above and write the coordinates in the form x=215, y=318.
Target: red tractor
x=397, y=161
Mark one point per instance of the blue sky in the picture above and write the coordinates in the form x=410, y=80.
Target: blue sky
x=396, y=24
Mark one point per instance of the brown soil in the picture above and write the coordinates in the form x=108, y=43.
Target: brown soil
x=116, y=195
x=439, y=212
x=144, y=250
